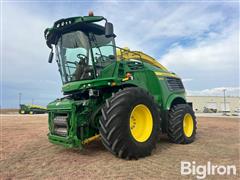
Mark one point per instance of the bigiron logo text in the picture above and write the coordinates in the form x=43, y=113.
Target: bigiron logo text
x=201, y=171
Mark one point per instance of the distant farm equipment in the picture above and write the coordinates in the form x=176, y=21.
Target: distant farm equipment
x=32, y=109
x=209, y=110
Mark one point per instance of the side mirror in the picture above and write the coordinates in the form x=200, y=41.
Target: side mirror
x=109, y=29
x=50, y=58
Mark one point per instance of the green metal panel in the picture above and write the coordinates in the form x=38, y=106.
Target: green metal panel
x=172, y=97
x=86, y=84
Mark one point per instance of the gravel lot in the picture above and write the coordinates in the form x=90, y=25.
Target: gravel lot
x=27, y=154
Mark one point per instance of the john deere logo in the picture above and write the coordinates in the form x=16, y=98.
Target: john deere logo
x=57, y=103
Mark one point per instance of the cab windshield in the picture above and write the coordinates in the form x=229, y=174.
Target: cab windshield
x=82, y=56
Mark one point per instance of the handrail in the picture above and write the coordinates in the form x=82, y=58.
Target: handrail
x=126, y=53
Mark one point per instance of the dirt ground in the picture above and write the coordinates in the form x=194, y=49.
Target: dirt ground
x=9, y=111
x=27, y=154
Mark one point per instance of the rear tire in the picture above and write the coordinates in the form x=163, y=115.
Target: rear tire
x=130, y=123
x=182, y=124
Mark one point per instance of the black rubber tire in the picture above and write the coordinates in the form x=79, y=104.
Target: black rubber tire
x=114, y=124
x=175, y=124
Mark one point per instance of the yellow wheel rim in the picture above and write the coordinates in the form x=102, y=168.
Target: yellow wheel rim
x=141, y=123
x=31, y=112
x=188, y=125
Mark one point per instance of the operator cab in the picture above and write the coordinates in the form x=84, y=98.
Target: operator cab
x=82, y=55
x=83, y=49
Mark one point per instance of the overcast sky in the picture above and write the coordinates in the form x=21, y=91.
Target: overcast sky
x=198, y=41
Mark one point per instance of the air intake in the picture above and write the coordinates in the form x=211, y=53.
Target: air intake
x=174, y=84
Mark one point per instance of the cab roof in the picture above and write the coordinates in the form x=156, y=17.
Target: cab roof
x=84, y=23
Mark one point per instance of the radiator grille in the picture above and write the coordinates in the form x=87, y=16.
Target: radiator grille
x=60, y=122
x=174, y=84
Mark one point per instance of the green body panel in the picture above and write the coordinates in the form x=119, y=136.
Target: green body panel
x=145, y=79
x=68, y=107
x=84, y=99
x=59, y=104
x=172, y=97
x=86, y=84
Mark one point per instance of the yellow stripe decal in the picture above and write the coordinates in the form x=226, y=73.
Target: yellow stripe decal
x=160, y=78
x=165, y=74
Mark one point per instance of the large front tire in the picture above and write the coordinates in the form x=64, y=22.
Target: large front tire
x=130, y=123
x=182, y=124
